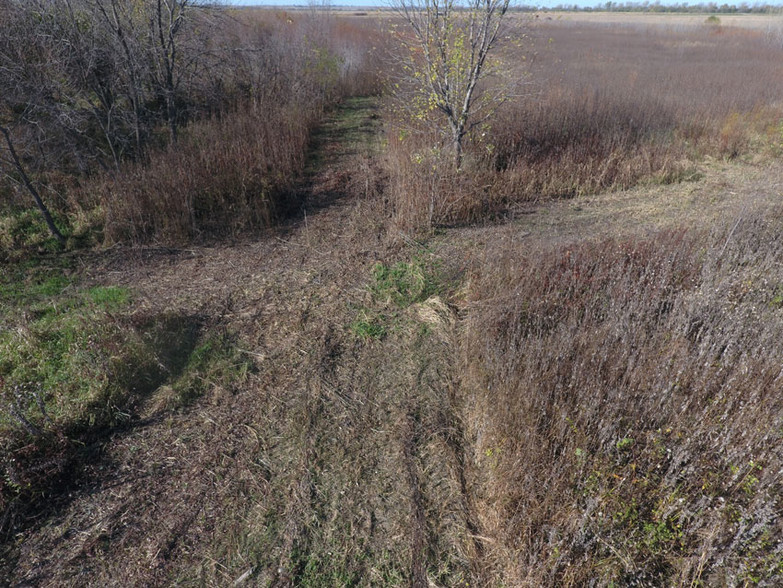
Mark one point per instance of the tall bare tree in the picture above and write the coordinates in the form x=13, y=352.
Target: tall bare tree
x=446, y=57
x=19, y=168
x=28, y=103
x=166, y=19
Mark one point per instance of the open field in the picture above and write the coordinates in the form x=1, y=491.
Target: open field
x=758, y=22
x=298, y=347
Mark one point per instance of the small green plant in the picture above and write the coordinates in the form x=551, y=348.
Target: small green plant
x=368, y=328
x=749, y=481
x=663, y=535
x=109, y=297
x=628, y=515
x=624, y=444
x=777, y=299
x=402, y=284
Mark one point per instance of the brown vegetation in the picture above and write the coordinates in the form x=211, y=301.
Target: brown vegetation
x=239, y=170
x=580, y=387
x=638, y=440
x=604, y=108
x=212, y=148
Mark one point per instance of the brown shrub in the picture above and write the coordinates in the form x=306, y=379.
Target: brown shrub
x=425, y=190
x=627, y=407
x=226, y=176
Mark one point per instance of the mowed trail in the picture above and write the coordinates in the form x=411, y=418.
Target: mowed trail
x=724, y=193
x=174, y=497
x=339, y=460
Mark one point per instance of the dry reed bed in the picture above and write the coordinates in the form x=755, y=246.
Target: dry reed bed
x=628, y=405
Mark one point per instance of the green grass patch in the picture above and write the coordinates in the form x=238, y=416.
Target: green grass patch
x=24, y=230
x=369, y=327
x=215, y=361
x=30, y=282
x=66, y=348
x=403, y=284
x=75, y=364
x=395, y=288
x=109, y=297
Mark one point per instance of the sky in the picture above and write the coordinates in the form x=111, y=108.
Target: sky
x=305, y=2
x=540, y=3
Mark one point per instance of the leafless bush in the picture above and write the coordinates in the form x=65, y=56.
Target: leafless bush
x=225, y=176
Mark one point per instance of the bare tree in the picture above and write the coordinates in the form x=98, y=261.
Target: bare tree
x=27, y=105
x=119, y=21
x=179, y=34
x=166, y=19
x=157, y=56
x=446, y=57
x=28, y=184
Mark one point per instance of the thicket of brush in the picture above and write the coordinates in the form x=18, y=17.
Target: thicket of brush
x=625, y=402
x=239, y=170
x=213, y=151
x=223, y=177
x=601, y=108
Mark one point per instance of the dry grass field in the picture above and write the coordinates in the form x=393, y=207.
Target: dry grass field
x=758, y=22
x=297, y=351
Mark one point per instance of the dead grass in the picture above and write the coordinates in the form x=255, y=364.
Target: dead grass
x=758, y=22
x=331, y=465
x=555, y=407
x=603, y=108
x=588, y=393
x=639, y=404
x=229, y=175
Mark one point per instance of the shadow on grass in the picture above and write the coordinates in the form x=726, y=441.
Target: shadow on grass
x=45, y=464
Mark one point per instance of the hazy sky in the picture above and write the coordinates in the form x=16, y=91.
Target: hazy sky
x=541, y=3
x=375, y=3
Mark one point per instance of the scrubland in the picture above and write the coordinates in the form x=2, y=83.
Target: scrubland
x=295, y=347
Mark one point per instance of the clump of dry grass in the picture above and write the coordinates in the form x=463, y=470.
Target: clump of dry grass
x=424, y=189
x=627, y=407
x=576, y=143
x=226, y=176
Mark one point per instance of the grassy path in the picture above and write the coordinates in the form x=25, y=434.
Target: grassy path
x=326, y=464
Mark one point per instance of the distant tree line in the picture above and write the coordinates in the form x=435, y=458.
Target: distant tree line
x=682, y=8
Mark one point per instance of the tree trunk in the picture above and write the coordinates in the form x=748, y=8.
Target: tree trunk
x=171, y=115
x=30, y=188
x=458, y=153
x=458, y=133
